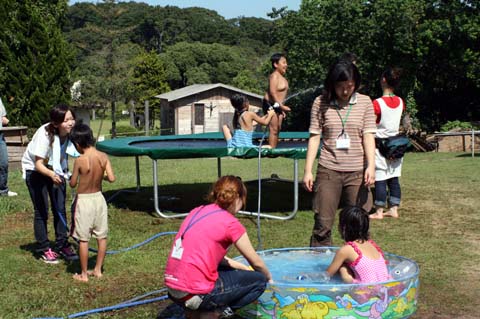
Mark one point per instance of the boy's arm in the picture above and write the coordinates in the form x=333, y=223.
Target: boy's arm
x=109, y=172
x=75, y=173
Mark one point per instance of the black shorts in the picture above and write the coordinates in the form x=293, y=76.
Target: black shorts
x=266, y=105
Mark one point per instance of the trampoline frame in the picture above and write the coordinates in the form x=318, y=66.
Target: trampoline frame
x=244, y=153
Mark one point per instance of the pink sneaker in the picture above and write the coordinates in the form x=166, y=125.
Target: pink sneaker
x=50, y=257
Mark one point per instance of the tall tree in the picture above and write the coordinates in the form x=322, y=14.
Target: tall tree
x=35, y=59
x=149, y=78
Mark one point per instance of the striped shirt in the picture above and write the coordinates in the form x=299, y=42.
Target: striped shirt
x=326, y=121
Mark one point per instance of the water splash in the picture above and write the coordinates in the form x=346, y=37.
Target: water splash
x=312, y=89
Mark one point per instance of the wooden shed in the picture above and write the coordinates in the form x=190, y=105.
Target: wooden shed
x=200, y=108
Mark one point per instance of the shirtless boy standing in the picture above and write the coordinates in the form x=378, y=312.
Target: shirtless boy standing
x=275, y=95
x=90, y=208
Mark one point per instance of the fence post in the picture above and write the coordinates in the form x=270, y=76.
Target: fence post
x=147, y=118
x=473, y=143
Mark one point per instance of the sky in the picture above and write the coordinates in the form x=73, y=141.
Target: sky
x=226, y=8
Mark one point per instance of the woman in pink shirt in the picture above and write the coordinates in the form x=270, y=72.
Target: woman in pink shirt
x=360, y=260
x=199, y=275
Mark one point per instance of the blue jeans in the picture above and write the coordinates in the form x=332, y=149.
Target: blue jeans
x=395, y=193
x=41, y=188
x=235, y=289
x=3, y=166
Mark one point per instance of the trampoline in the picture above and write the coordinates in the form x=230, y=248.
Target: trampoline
x=291, y=145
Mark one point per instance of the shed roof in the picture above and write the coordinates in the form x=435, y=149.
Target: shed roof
x=199, y=88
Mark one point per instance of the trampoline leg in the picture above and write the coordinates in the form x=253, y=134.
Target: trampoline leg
x=137, y=189
x=137, y=170
x=219, y=167
x=156, y=197
x=295, y=199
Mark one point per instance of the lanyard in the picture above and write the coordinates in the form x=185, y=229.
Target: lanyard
x=346, y=116
x=195, y=220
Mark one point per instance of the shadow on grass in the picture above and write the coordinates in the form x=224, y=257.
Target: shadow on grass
x=170, y=310
x=72, y=266
x=477, y=155
x=277, y=196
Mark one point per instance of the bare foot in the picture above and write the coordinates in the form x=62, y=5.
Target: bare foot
x=94, y=273
x=377, y=215
x=80, y=277
x=391, y=213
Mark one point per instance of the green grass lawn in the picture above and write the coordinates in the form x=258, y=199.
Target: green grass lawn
x=438, y=227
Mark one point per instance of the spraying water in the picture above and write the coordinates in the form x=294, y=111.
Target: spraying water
x=312, y=89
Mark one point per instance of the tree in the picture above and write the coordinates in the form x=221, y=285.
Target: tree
x=188, y=63
x=35, y=59
x=149, y=77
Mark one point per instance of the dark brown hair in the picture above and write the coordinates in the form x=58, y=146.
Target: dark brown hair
x=341, y=70
x=57, y=116
x=392, y=76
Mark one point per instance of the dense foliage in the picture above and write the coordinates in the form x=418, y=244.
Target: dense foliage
x=35, y=59
x=130, y=51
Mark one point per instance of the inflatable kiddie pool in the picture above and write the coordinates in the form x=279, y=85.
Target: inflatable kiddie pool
x=300, y=290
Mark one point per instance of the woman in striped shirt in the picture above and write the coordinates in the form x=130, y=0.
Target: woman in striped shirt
x=345, y=121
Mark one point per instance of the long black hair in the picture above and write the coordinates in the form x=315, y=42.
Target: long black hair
x=238, y=102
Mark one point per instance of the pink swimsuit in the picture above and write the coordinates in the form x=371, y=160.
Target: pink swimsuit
x=368, y=270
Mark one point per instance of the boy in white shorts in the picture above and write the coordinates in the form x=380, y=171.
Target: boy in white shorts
x=90, y=208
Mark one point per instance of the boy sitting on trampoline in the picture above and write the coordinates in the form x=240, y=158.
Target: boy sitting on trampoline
x=243, y=123
x=89, y=209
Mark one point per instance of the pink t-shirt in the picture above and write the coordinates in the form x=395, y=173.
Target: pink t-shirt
x=368, y=270
x=208, y=231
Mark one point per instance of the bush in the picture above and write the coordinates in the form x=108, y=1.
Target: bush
x=126, y=130
x=458, y=125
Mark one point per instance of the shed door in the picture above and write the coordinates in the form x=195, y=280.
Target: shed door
x=198, y=118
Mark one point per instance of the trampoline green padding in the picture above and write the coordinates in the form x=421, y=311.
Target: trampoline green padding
x=291, y=145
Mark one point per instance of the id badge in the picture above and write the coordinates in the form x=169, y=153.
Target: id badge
x=343, y=142
x=177, y=251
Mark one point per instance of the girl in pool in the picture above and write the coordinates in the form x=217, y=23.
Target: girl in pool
x=243, y=123
x=360, y=260
x=199, y=275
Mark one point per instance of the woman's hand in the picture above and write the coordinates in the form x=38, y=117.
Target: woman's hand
x=57, y=180
x=369, y=177
x=308, y=181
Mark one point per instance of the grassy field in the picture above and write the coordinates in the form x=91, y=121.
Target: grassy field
x=438, y=228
